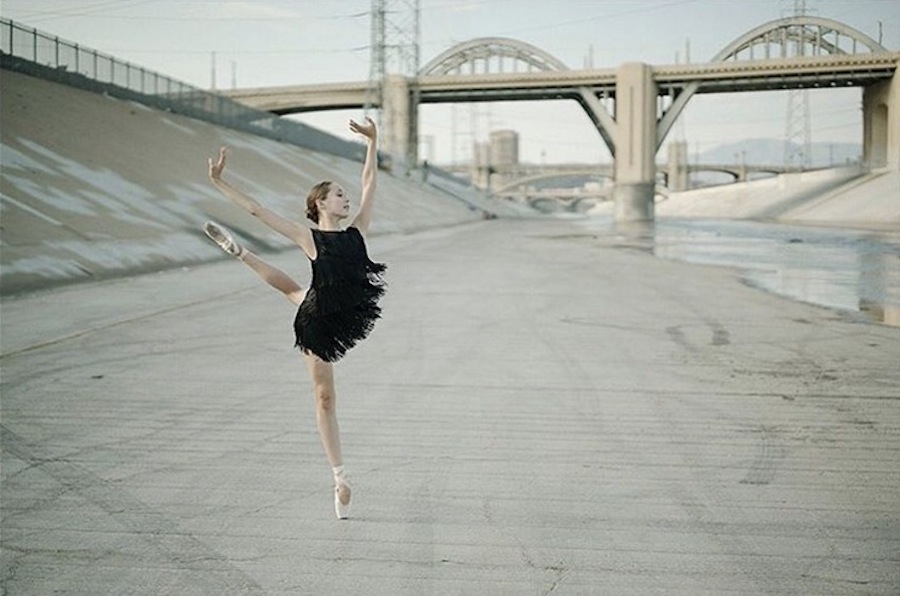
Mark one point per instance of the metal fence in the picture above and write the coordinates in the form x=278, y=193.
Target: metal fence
x=25, y=49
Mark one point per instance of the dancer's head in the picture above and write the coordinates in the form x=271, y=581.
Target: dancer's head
x=327, y=197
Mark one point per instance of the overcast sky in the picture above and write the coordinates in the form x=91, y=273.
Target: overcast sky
x=286, y=42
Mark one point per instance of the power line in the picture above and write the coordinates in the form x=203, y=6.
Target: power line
x=89, y=10
x=315, y=52
x=605, y=16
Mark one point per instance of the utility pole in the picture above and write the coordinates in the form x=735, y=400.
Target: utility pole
x=212, y=72
x=377, y=52
x=797, y=141
x=394, y=51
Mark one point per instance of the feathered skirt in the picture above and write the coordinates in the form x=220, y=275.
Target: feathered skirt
x=338, y=313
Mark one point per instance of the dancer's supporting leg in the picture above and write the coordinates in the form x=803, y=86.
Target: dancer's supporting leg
x=322, y=374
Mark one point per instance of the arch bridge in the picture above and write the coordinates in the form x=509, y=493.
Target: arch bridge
x=521, y=181
x=634, y=106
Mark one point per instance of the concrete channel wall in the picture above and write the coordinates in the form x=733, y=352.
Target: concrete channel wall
x=96, y=187
x=849, y=196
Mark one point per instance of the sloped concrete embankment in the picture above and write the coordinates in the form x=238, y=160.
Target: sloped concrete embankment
x=849, y=196
x=95, y=187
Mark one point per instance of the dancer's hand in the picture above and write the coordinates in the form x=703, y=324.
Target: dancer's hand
x=216, y=168
x=367, y=130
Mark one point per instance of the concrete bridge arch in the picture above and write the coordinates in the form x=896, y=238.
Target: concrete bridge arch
x=485, y=55
x=640, y=133
x=466, y=57
x=813, y=36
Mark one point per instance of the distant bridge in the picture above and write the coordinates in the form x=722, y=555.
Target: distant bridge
x=522, y=183
x=634, y=106
x=524, y=175
x=813, y=72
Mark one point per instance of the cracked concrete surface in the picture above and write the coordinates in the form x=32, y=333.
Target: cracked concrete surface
x=537, y=413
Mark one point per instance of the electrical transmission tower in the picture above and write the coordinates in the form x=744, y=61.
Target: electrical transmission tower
x=797, y=141
x=394, y=46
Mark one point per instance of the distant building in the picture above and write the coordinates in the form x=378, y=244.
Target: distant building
x=481, y=163
x=495, y=162
x=504, y=150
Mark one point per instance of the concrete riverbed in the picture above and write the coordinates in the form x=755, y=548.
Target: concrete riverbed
x=538, y=412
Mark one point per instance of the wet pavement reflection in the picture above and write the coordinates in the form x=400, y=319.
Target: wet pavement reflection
x=847, y=269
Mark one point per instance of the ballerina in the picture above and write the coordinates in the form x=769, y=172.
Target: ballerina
x=341, y=305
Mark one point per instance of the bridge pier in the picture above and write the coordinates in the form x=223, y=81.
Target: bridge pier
x=881, y=124
x=399, y=122
x=633, y=202
x=677, y=179
x=635, y=163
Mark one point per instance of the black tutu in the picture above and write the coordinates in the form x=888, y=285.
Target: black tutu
x=341, y=305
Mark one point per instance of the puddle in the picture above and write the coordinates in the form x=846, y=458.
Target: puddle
x=851, y=270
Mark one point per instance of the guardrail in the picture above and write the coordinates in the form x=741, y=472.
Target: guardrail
x=28, y=50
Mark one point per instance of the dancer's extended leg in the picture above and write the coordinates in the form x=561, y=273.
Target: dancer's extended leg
x=270, y=274
x=274, y=276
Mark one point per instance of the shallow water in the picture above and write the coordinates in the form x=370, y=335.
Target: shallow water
x=851, y=270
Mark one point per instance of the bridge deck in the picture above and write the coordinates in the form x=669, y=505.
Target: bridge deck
x=719, y=77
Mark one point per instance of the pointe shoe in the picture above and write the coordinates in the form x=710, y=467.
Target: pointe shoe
x=223, y=238
x=341, y=510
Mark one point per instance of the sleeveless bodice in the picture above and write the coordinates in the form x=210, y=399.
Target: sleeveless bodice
x=341, y=305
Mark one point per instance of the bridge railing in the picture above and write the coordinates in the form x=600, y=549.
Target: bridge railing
x=36, y=53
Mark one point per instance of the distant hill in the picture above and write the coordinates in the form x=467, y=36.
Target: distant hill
x=771, y=152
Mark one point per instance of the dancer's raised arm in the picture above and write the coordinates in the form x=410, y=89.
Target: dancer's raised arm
x=364, y=216
x=295, y=232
